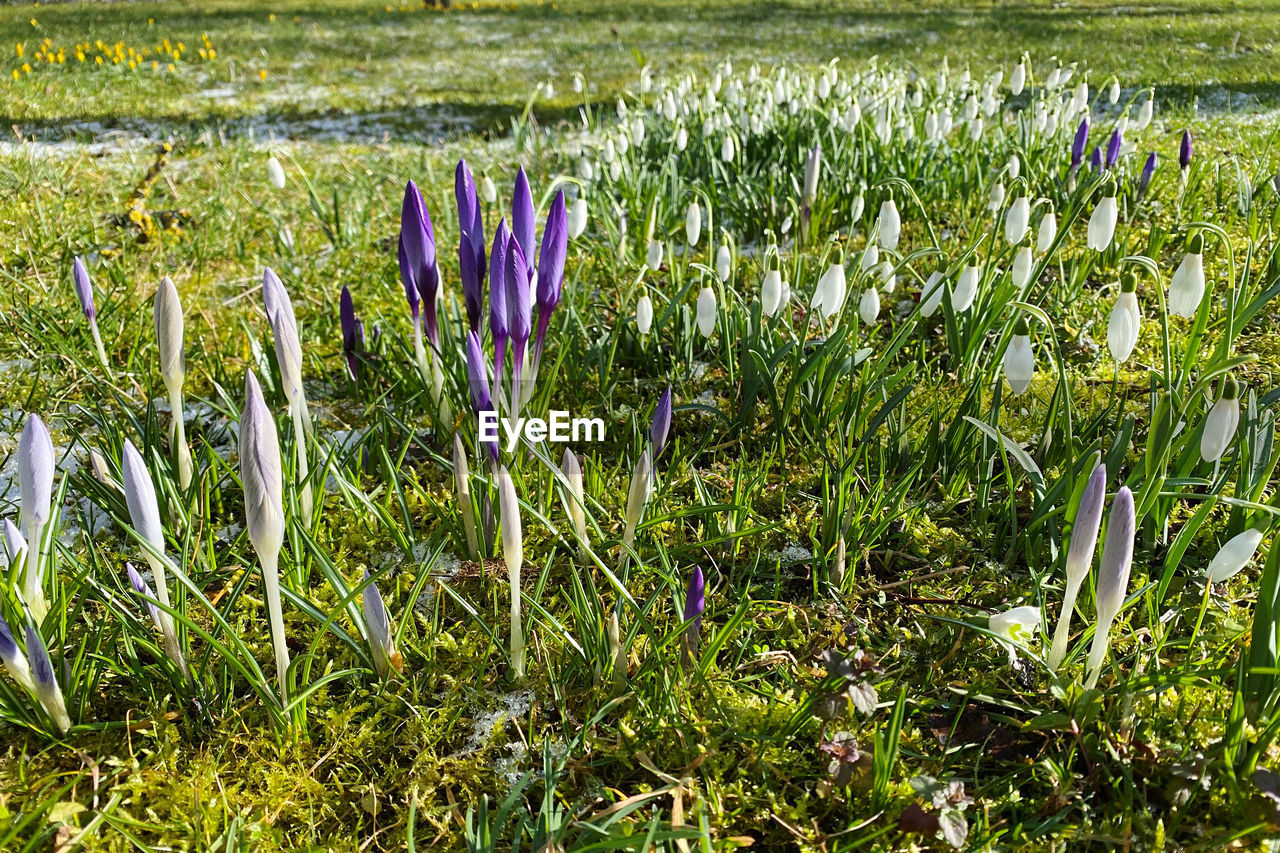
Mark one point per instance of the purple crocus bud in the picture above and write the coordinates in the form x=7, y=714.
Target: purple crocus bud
x=1148, y=170
x=555, y=245
x=471, y=259
x=522, y=216
x=406, y=278
x=661, y=423
x=1084, y=540
x=1095, y=159
x=1113, y=579
x=13, y=658
x=46, y=684
x=695, y=600
x=140, y=586
x=419, y=251
x=1184, y=151
x=478, y=382
x=1113, y=148
x=498, y=299
x=1078, y=144
x=84, y=289
x=519, y=312
x=350, y=329
x=385, y=655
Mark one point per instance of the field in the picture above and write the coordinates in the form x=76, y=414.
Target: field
x=920, y=336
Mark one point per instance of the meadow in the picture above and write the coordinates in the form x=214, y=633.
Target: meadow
x=933, y=348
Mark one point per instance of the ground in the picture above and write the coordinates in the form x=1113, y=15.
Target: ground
x=160, y=169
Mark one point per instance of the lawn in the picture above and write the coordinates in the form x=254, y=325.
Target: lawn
x=813, y=613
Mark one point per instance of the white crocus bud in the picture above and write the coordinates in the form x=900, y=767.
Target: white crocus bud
x=575, y=496
x=1047, y=233
x=513, y=555
x=35, y=483
x=1125, y=322
x=966, y=289
x=1023, y=263
x=462, y=483
x=1186, y=290
x=1113, y=580
x=577, y=217
x=261, y=476
x=644, y=314
x=1234, y=555
x=932, y=292
x=1221, y=422
x=771, y=292
x=724, y=261
x=284, y=328
x=1016, y=220
x=1019, y=360
x=890, y=227
x=1102, y=224
x=869, y=305
x=693, y=223
x=707, y=311
x=168, y=319
x=1084, y=540
x=275, y=173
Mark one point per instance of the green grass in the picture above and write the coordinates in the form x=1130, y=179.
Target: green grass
x=941, y=529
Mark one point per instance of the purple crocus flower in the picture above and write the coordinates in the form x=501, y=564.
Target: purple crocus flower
x=1184, y=151
x=661, y=423
x=519, y=312
x=1148, y=170
x=481, y=401
x=1095, y=159
x=522, y=217
x=498, y=299
x=350, y=329
x=471, y=259
x=1113, y=148
x=695, y=600
x=406, y=278
x=418, y=252
x=84, y=289
x=140, y=586
x=555, y=245
x=1078, y=144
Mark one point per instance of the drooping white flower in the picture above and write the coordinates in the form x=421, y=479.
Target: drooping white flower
x=869, y=305
x=707, y=311
x=1019, y=360
x=932, y=292
x=829, y=295
x=724, y=261
x=577, y=218
x=653, y=255
x=1023, y=263
x=1186, y=289
x=1234, y=555
x=1102, y=223
x=1047, y=232
x=1221, y=422
x=1018, y=78
x=1017, y=626
x=275, y=172
x=644, y=314
x=1125, y=322
x=1016, y=220
x=771, y=292
x=890, y=227
x=966, y=289
x=693, y=223
x=995, y=198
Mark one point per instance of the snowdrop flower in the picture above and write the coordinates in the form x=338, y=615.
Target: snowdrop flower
x=1102, y=224
x=771, y=292
x=284, y=327
x=1047, y=232
x=462, y=485
x=975, y=129
x=1013, y=167
x=1016, y=626
x=682, y=138
x=1084, y=539
x=726, y=148
x=1126, y=319
x=830, y=293
x=1221, y=422
x=1016, y=220
x=168, y=319
x=693, y=224
x=653, y=256
x=723, y=262
x=35, y=483
x=260, y=473
x=888, y=278
x=869, y=305
x=46, y=684
x=932, y=292
x=1186, y=289
x=488, y=191
x=577, y=218
x=995, y=199
x=1234, y=555
x=1113, y=93
x=966, y=288
x=513, y=555
x=644, y=314
x=859, y=203
x=1113, y=580
x=386, y=657
x=275, y=172
x=1018, y=78
x=1145, y=113
x=812, y=169
x=1023, y=264
x=1019, y=360
x=890, y=227
x=870, y=258
x=706, y=311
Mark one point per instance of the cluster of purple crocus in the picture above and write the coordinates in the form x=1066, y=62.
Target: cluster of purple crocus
x=516, y=286
x=1098, y=159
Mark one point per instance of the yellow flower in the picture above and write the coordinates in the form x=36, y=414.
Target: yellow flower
x=21, y=49
x=15, y=74
x=262, y=75
x=171, y=68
